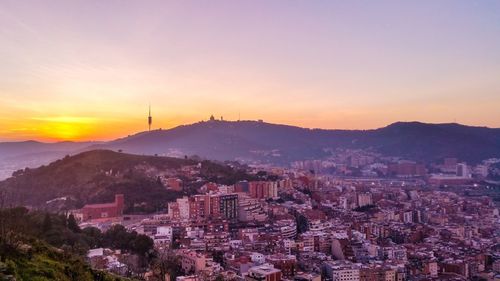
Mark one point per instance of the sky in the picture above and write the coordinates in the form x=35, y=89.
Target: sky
x=87, y=70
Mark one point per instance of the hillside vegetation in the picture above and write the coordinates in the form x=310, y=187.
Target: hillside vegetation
x=36, y=246
x=251, y=140
x=96, y=176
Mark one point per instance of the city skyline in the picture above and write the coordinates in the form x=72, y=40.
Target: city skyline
x=70, y=71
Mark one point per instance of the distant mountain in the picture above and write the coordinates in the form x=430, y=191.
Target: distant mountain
x=431, y=142
x=280, y=144
x=243, y=140
x=250, y=140
x=19, y=155
x=16, y=149
x=96, y=176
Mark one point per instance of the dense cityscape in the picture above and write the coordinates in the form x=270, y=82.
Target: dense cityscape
x=356, y=216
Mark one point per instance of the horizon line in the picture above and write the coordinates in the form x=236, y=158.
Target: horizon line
x=235, y=121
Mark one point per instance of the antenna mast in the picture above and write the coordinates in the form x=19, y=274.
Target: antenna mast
x=150, y=119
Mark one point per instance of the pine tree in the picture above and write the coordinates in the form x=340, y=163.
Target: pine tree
x=72, y=224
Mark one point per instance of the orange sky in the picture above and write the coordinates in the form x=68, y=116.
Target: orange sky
x=87, y=70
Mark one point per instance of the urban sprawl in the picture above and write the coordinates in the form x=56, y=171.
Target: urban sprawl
x=356, y=216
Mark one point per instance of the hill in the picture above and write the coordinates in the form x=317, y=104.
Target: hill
x=250, y=140
x=432, y=142
x=15, y=149
x=224, y=140
x=280, y=144
x=95, y=176
x=17, y=155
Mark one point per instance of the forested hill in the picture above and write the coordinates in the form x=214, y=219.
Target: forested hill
x=96, y=176
x=253, y=140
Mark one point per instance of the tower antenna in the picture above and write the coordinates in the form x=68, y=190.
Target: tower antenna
x=150, y=119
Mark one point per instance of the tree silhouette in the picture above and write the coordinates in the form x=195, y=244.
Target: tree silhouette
x=72, y=225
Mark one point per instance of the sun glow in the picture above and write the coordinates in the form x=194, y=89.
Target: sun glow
x=65, y=127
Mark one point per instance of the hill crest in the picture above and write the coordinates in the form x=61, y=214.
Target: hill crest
x=96, y=176
x=256, y=141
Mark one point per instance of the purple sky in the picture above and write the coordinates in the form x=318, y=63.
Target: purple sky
x=88, y=69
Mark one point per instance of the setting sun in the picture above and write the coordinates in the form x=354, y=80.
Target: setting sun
x=65, y=128
x=63, y=131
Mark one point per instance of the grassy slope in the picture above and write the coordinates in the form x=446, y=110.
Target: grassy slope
x=43, y=263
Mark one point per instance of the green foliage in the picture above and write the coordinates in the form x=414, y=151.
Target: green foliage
x=86, y=175
x=47, y=223
x=302, y=223
x=72, y=225
x=43, y=246
x=166, y=262
x=119, y=238
x=96, y=176
x=38, y=261
x=93, y=236
x=223, y=174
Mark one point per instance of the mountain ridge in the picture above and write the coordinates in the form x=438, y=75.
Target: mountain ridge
x=257, y=141
x=394, y=124
x=224, y=140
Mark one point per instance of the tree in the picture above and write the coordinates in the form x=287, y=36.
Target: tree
x=166, y=262
x=47, y=223
x=302, y=223
x=72, y=225
x=117, y=237
x=142, y=244
x=93, y=236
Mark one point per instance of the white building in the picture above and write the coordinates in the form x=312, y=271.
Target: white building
x=344, y=203
x=258, y=258
x=183, y=207
x=342, y=270
x=163, y=236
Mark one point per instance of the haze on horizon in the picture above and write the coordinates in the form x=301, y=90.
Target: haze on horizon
x=87, y=70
